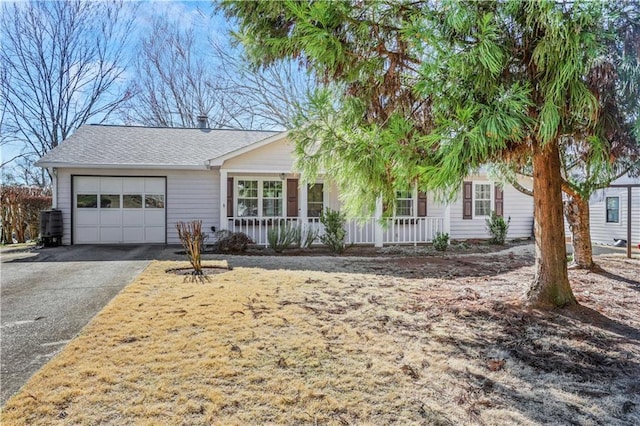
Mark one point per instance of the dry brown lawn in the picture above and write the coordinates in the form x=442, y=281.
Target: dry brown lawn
x=397, y=342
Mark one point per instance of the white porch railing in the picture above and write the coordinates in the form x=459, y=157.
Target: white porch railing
x=416, y=230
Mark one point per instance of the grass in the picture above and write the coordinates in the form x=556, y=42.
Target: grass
x=256, y=346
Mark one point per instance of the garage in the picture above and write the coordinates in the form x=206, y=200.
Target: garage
x=119, y=209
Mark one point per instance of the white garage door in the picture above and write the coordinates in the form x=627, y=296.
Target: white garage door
x=112, y=210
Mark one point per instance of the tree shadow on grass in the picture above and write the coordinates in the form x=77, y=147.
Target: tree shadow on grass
x=633, y=284
x=572, y=360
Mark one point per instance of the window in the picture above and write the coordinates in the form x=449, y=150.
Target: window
x=154, y=201
x=272, y=198
x=315, y=199
x=110, y=201
x=255, y=197
x=87, y=201
x=132, y=201
x=404, y=203
x=482, y=199
x=613, y=209
x=247, y=198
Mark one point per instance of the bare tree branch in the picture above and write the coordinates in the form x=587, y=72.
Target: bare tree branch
x=62, y=64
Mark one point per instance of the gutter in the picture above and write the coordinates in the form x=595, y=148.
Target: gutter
x=48, y=164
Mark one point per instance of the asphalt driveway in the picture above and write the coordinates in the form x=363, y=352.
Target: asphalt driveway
x=48, y=295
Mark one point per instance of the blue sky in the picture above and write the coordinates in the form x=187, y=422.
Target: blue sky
x=199, y=15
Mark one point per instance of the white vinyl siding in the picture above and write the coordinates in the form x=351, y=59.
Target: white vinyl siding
x=274, y=157
x=603, y=232
x=517, y=205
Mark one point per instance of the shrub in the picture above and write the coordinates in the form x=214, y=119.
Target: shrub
x=498, y=228
x=192, y=239
x=282, y=237
x=231, y=242
x=307, y=237
x=20, y=212
x=441, y=241
x=334, y=232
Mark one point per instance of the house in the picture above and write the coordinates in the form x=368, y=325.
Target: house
x=613, y=209
x=127, y=184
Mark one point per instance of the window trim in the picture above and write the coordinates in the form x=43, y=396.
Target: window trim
x=414, y=203
x=606, y=210
x=490, y=199
x=260, y=181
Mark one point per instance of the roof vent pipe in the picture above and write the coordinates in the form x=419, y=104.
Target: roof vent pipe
x=203, y=121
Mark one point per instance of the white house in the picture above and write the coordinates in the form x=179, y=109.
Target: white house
x=613, y=209
x=124, y=184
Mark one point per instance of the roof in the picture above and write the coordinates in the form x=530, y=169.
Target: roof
x=148, y=147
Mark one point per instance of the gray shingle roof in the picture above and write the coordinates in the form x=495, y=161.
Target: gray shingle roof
x=102, y=145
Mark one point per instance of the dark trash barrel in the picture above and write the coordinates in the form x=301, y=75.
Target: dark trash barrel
x=51, y=227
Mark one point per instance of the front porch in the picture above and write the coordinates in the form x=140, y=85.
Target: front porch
x=378, y=232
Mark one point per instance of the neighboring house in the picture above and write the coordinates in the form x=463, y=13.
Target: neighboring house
x=609, y=212
x=123, y=184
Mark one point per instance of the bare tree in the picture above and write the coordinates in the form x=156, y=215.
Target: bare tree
x=262, y=97
x=174, y=83
x=61, y=64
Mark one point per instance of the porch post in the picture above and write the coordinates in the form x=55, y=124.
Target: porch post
x=378, y=230
x=302, y=203
x=446, y=225
x=224, y=223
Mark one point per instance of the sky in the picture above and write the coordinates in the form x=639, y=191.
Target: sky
x=199, y=15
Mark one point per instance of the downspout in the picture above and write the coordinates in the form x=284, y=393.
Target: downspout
x=53, y=172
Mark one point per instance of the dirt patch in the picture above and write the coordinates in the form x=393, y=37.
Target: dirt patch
x=405, y=343
x=207, y=270
x=456, y=247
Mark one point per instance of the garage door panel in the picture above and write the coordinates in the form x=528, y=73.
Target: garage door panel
x=154, y=234
x=111, y=185
x=154, y=217
x=86, y=235
x=110, y=234
x=133, y=235
x=86, y=217
x=122, y=210
x=87, y=184
x=154, y=186
x=110, y=218
x=133, y=186
x=133, y=217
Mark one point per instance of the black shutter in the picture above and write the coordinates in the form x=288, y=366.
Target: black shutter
x=292, y=197
x=499, y=202
x=230, y=197
x=422, y=204
x=467, y=200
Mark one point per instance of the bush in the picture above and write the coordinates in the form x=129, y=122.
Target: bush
x=282, y=237
x=498, y=228
x=441, y=241
x=192, y=239
x=231, y=242
x=307, y=237
x=334, y=232
x=20, y=212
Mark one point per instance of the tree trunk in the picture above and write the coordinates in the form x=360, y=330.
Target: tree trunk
x=550, y=286
x=576, y=210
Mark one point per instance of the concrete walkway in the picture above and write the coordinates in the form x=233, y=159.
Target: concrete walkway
x=47, y=296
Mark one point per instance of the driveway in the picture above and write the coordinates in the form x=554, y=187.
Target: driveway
x=49, y=295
